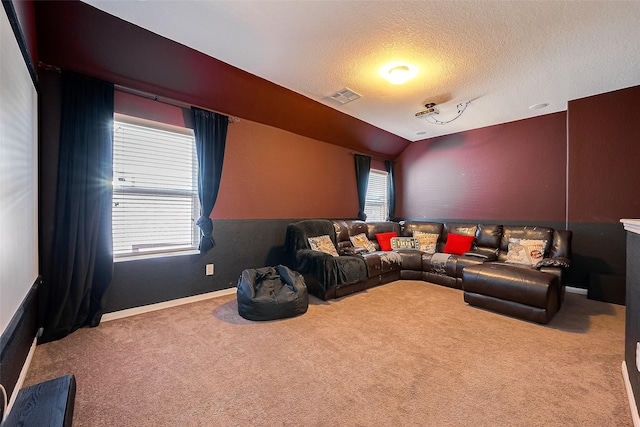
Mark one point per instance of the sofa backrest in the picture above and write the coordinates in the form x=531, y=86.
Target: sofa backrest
x=490, y=239
x=408, y=227
x=348, y=228
x=299, y=232
x=381, y=227
x=524, y=232
x=461, y=228
x=561, y=246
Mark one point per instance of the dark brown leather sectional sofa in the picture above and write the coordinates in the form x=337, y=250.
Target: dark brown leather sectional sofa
x=533, y=293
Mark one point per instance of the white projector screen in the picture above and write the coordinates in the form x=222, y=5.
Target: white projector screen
x=18, y=176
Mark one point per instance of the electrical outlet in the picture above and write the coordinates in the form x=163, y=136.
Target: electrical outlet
x=638, y=356
x=209, y=270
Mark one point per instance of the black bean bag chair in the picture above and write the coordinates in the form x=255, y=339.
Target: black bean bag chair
x=271, y=293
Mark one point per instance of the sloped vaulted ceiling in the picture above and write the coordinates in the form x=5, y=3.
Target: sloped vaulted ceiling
x=75, y=36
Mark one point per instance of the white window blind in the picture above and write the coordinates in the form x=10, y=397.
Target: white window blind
x=155, y=197
x=376, y=205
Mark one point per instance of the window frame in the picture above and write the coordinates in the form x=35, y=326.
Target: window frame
x=195, y=203
x=385, y=196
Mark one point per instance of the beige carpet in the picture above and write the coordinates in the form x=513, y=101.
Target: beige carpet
x=403, y=354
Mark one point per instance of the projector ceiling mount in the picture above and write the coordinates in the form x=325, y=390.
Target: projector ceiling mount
x=430, y=113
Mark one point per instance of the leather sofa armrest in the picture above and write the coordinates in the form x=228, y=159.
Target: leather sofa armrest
x=561, y=262
x=352, y=251
x=480, y=256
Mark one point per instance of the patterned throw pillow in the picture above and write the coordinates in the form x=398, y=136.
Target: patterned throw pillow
x=323, y=244
x=404, y=243
x=524, y=251
x=362, y=241
x=428, y=241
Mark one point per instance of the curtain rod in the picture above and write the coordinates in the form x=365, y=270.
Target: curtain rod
x=168, y=101
x=147, y=95
x=353, y=153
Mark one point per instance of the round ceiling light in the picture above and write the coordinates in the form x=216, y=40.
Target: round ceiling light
x=538, y=106
x=398, y=73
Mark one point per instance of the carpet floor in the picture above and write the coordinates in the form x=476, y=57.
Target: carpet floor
x=407, y=353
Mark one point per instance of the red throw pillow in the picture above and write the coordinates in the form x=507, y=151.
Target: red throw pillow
x=384, y=240
x=457, y=244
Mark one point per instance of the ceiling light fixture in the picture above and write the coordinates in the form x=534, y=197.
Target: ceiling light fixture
x=430, y=112
x=538, y=106
x=398, y=73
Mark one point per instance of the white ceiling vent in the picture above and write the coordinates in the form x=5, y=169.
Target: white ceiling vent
x=344, y=95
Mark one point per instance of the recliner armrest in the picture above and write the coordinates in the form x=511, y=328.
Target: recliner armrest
x=561, y=262
x=481, y=256
x=352, y=251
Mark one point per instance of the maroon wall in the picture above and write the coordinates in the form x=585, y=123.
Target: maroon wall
x=604, y=186
x=272, y=173
x=604, y=136
x=509, y=172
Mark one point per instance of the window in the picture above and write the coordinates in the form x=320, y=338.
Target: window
x=376, y=205
x=155, y=196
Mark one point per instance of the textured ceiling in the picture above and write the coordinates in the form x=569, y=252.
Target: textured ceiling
x=502, y=56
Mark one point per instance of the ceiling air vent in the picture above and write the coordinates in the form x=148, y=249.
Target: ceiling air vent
x=344, y=95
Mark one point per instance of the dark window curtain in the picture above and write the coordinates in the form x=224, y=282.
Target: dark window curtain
x=363, y=166
x=211, y=136
x=391, y=189
x=82, y=255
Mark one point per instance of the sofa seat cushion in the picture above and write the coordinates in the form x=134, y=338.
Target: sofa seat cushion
x=382, y=262
x=411, y=259
x=440, y=263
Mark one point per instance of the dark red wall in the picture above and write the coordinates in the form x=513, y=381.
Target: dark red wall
x=604, y=147
x=512, y=172
x=272, y=173
x=604, y=186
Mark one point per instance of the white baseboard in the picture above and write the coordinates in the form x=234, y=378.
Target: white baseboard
x=632, y=400
x=22, y=376
x=162, y=305
x=573, y=290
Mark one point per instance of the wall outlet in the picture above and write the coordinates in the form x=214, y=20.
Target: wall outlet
x=209, y=270
x=638, y=356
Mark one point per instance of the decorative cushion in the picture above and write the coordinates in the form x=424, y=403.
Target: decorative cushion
x=362, y=241
x=457, y=244
x=428, y=241
x=525, y=251
x=323, y=244
x=404, y=243
x=384, y=240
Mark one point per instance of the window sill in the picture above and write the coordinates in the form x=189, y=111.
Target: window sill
x=137, y=257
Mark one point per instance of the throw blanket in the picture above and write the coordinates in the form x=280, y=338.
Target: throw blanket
x=439, y=261
x=328, y=270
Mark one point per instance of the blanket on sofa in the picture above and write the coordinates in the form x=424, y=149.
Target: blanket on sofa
x=328, y=270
